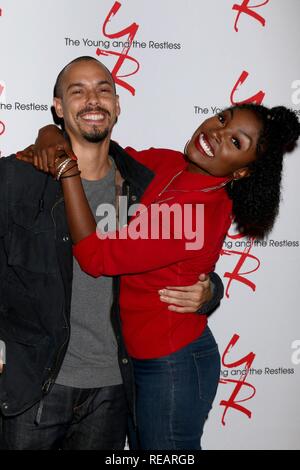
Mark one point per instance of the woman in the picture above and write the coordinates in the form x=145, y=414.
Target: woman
x=232, y=163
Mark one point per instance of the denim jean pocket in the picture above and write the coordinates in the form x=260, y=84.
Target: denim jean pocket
x=204, y=344
x=207, y=364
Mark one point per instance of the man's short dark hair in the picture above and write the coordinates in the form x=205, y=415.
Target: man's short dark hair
x=57, y=92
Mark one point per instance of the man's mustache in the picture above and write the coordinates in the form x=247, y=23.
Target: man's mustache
x=93, y=110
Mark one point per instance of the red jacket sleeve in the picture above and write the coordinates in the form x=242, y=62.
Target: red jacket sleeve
x=122, y=254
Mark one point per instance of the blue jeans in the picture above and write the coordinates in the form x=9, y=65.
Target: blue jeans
x=175, y=394
x=72, y=419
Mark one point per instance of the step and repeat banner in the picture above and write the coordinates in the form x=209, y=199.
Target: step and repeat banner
x=176, y=63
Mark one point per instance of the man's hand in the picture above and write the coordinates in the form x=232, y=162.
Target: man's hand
x=187, y=299
x=1, y=367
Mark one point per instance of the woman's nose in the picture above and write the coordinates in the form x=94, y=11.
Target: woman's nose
x=217, y=135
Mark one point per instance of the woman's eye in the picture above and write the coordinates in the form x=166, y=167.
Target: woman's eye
x=221, y=118
x=236, y=142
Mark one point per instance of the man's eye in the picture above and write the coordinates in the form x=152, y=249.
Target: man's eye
x=75, y=92
x=236, y=142
x=221, y=118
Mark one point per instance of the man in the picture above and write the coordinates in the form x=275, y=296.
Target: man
x=62, y=390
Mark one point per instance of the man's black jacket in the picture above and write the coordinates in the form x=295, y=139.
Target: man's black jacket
x=36, y=266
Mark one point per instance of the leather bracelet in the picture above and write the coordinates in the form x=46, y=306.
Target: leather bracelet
x=71, y=176
x=68, y=169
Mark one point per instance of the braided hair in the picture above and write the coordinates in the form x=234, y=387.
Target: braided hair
x=256, y=198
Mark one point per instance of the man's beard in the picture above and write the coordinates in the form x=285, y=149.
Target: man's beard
x=95, y=135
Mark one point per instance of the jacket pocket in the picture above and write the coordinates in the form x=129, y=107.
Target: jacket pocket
x=16, y=328
x=32, y=243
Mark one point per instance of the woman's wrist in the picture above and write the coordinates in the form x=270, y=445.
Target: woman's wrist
x=66, y=168
x=71, y=173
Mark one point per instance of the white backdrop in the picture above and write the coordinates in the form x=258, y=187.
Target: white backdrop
x=192, y=57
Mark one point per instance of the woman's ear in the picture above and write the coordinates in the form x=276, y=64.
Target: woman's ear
x=241, y=173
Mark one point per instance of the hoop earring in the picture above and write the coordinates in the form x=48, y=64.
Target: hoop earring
x=185, y=147
x=232, y=182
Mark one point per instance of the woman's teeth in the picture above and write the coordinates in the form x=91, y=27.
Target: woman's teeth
x=205, y=146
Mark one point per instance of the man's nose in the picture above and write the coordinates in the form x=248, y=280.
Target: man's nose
x=93, y=97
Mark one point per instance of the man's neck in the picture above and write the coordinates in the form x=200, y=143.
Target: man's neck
x=93, y=160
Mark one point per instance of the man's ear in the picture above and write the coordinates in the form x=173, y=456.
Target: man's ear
x=58, y=107
x=118, y=107
x=241, y=173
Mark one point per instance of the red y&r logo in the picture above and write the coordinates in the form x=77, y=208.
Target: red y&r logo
x=257, y=98
x=2, y=127
x=2, y=100
x=2, y=92
x=248, y=10
x=243, y=257
x=233, y=401
x=129, y=35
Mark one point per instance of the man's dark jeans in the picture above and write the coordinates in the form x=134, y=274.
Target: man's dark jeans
x=71, y=419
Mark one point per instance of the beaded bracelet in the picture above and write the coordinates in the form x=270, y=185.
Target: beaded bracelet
x=62, y=166
x=68, y=169
x=61, y=163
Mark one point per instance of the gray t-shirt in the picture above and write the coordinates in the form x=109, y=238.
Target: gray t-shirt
x=91, y=359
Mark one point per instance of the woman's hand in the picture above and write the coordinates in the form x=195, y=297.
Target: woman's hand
x=49, y=147
x=60, y=166
x=51, y=141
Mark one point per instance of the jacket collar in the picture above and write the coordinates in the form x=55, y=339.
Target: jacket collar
x=136, y=174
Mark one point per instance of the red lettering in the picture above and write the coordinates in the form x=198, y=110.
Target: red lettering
x=123, y=56
x=2, y=130
x=237, y=274
x=258, y=98
x=248, y=10
x=233, y=402
x=2, y=127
